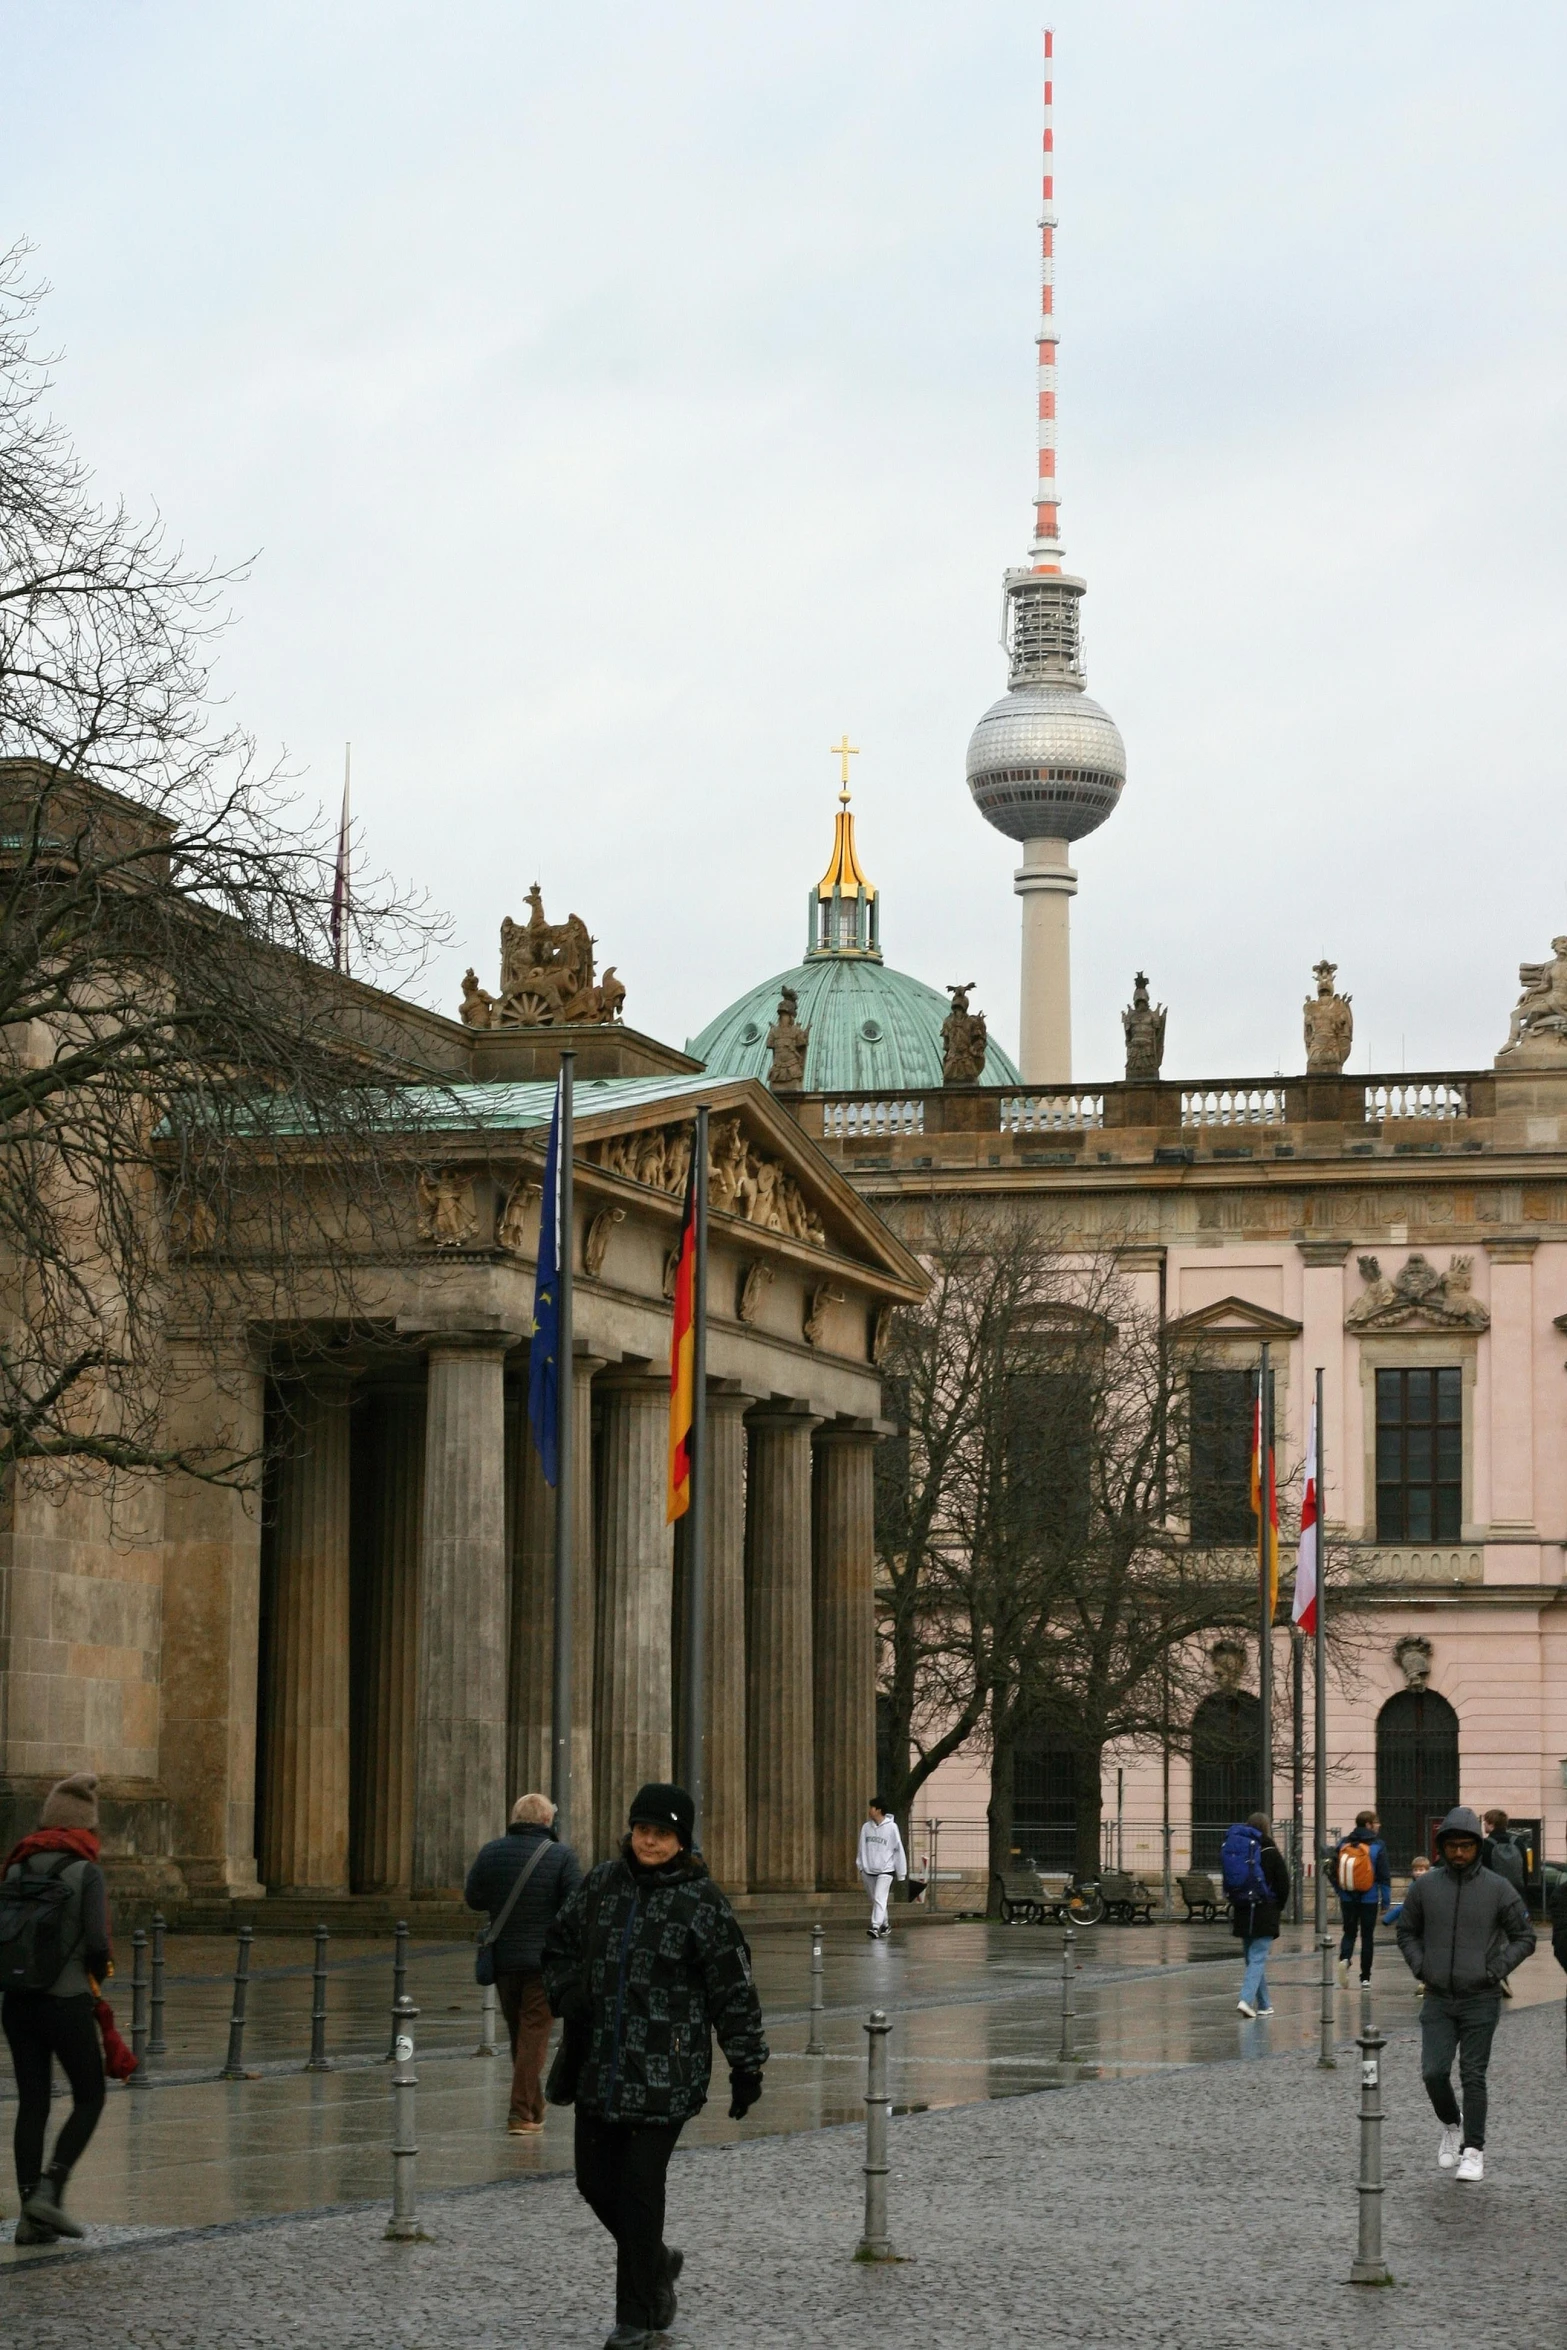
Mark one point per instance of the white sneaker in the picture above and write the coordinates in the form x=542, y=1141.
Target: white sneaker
x=1471, y=2163
x=1451, y=2147
x=1249, y=2012
x=1343, y=1974
x=1264, y=2011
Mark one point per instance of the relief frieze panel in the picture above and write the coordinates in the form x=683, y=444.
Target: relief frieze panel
x=742, y=1180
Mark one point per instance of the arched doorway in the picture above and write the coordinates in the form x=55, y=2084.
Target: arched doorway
x=1044, y=1801
x=1417, y=1770
x=1226, y=1769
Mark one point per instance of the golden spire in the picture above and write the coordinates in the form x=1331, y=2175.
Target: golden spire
x=843, y=870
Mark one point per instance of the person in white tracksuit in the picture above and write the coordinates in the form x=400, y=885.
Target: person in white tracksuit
x=880, y=1859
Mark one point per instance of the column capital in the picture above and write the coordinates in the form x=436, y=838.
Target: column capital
x=1515, y=1251
x=783, y=1411
x=470, y=1342
x=1317, y=1255
x=866, y=1432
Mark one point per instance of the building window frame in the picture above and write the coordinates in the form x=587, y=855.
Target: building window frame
x=1419, y=1350
x=1418, y=1474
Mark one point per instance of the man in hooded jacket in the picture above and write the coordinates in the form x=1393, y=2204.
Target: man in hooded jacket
x=647, y=1961
x=1462, y=1932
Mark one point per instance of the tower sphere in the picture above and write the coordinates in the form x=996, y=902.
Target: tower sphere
x=1046, y=763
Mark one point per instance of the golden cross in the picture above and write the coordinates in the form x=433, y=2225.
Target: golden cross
x=845, y=751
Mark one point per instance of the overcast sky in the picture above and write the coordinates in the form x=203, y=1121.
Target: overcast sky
x=625, y=400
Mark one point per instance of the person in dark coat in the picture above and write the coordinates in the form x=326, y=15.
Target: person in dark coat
x=519, y=1952
x=647, y=1961
x=1359, y=1910
x=1255, y=1924
x=1462, y=1932
x=61, y=2020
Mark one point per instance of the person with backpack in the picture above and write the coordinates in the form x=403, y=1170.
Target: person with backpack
x=1463, y=1931
x=1256, y=1885
x=54, y=1955
x=523, y=1879
x=1365, y=1885
x=645, y=1963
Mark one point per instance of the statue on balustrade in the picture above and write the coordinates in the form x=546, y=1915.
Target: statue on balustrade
x=1538, y=1031
x=547, y=977
x=786, y=1041
x=1143, y=1024
x=1330, y=1025
x=964, y=1039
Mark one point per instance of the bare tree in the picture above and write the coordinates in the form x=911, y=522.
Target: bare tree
x=165, y=1014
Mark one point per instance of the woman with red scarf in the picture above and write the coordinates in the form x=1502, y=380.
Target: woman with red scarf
x=60, y=2021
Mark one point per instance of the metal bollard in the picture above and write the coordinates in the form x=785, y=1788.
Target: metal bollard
x=399, y=1983
x=816, y=2045
x=403, y=2226
x=157, y=2045
x=139, y=2007
x=319, y=2062
x=1068, y=1998
x=875, y=2243
x=488, y=2004
x=234, y=2069
x=1369, y=2267
x=1326, y=2060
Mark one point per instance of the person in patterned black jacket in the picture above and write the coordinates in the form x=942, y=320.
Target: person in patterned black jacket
x=647, y=1961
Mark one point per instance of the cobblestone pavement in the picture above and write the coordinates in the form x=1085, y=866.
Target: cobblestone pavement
x=1209, y=2209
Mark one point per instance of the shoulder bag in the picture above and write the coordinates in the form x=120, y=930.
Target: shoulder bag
x=484, y=1956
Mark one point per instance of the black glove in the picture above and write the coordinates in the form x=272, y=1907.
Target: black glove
x=744, y=2090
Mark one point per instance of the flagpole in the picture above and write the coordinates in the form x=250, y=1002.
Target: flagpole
x=1265, y=1596
x=565, y=1478
x=1319, y=1807
x=694, y=1663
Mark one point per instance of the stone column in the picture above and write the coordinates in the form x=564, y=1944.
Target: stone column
x=1512, y=1385
x=844, y=1548
x=211, y=1623
x=632, y=1724
x=1322, y=1341
x=460, y=1770
x=724, y=1823
x=532, y=1699
x=304, y=1836
x=388, y=1556
x=780, y=1727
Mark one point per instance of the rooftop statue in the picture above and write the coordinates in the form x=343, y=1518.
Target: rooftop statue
x=547, y=977
x=786, y=1041
x=1143, y=1023
x=1539, y=1022
x=964, y=1039
x=1330, y=1025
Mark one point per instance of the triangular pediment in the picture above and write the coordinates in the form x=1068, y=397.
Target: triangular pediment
x=1234, y=1317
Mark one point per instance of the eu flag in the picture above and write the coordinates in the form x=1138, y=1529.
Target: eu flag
x=544, y=1351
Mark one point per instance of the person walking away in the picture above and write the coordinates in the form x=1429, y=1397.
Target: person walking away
x=1499, y=1851
x=1463, y=1931
x=523, y=1879
x=880, y=1858
x=54, y=1955
x=1257, y=1883
x=647, y=1959
x=1365, y=1885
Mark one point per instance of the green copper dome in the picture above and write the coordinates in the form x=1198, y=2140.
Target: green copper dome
x=872, y=1030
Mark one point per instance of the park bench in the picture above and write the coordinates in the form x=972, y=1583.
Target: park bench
x=1029, y=1899
x=1126, y=1898
x=1203, y=1898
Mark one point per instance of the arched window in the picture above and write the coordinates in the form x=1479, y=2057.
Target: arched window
x=1226, y=1769
x=1417, y=1770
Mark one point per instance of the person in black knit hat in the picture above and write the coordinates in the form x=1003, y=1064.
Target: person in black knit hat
x=645, y=1962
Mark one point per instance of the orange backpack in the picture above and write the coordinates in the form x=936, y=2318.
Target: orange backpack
x=1355, y=1872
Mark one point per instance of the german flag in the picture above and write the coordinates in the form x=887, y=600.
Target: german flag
x=1257, y=1481
x=682, y=1355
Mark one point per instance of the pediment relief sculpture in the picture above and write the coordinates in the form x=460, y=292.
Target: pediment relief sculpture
x=448, y=1216
x=1537, y=1035
x=1330, y=1025
x=741, y=1180
x=547, y=977
x=1417, y=1298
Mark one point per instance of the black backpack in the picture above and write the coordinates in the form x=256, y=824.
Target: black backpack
x=34, y=1906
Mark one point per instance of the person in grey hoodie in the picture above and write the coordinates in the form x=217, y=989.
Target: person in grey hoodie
x=1462, y=1932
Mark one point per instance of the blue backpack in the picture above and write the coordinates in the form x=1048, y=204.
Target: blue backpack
x=1240, y=1866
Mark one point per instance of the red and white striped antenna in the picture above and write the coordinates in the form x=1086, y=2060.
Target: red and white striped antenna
x=1045, y=553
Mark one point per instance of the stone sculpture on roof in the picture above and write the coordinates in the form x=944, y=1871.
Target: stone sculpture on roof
x=547, y=977
x=1330, y=1025
x=1538, y=1032
x=786, y=1041
x=741, y=1180
x=1143, y=1024
x=1418, y=1297
x=964, y=1039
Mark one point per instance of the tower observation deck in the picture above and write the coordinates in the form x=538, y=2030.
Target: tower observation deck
x=1046, y=764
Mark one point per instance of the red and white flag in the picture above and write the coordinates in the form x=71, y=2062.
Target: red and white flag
x=342, y=907
x=1304, y=1612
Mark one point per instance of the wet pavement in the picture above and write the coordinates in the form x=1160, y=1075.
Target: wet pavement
x=976, y=2011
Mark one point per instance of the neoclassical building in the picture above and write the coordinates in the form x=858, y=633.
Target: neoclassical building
x=336, y=1686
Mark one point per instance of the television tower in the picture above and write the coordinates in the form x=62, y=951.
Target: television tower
x=1045, y=764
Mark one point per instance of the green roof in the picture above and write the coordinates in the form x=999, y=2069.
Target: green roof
x=872, y=1029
